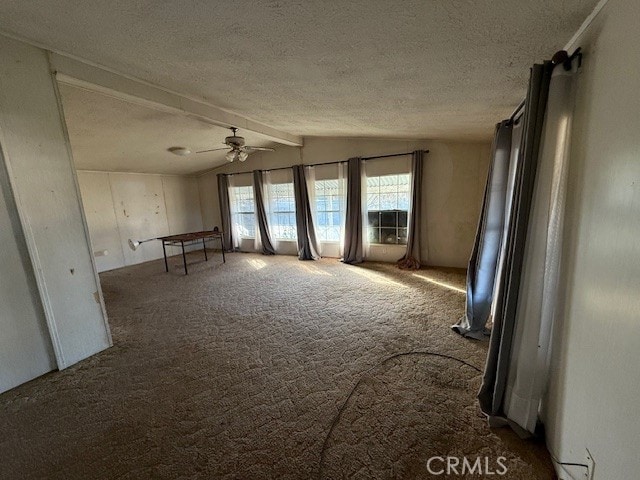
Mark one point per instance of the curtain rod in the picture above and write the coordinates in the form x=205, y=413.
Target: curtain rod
x=561, y=57
x=325, y=163
x=512, y=118
x=391, y=155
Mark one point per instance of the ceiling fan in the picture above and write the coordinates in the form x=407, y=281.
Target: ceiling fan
x=239, y=151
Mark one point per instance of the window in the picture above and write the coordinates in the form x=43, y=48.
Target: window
x=243, y=211
x=282, y=203
x=387, y=208
x=330, y=202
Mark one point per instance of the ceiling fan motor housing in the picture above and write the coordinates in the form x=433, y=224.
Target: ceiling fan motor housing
x=234, y=141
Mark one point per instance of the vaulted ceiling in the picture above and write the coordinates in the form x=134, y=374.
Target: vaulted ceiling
x=381, y=68
x=108, y=133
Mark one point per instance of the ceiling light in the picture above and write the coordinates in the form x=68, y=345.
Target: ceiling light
x=180, y=151
x=230, y=156
x=242, y=156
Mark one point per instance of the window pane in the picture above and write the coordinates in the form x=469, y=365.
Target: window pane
x=242, y=211
x=402, y=219
x=402, y=234
x=373, y=181
x=388, y=201
x=389, y=188
x=374, y=235
x=282, y=220
x=388, y=235
x=373, y=201
x=246, y=205
x=321, y=202
x=332, y=234
x=323, y=218
x=329, y=203
x=388, y=197
x=403, y=201
x=388, y=219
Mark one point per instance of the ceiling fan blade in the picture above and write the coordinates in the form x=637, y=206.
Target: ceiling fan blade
x=255, y=149
x=213, y=150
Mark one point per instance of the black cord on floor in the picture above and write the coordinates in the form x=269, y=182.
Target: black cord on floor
x=336, y=419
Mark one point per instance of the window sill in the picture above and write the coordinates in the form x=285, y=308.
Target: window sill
x=388, y=244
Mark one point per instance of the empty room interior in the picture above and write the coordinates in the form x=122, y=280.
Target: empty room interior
x=319, y=240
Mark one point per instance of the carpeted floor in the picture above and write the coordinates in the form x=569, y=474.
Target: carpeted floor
x=240, y=370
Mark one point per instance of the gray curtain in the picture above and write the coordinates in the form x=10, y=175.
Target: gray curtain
x=353, y=245
x=307, y=242
x=492, y=391
x=261, y=214
x=540, y=304
x=225, y=211
x=481, y=271
x=411, y=259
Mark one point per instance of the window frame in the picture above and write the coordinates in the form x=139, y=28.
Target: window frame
x=277, y=228
x=398, y=228
x=338, y=204
x=235, y=212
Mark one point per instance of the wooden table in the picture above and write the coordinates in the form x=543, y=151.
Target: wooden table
x=191, y=238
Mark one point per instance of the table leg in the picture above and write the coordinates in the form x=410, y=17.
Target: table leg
x=184, y=259
x=222, y=248
x=204, y=247
x=164, y=251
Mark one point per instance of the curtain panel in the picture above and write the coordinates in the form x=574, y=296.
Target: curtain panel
x=538, y=301
x=492, y=391
x=263, y=238
x=412, y=258
x=353, y=230
x=225, y=211
x=481, y=271
x=307, y=242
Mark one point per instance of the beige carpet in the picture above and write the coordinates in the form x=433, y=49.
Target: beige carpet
x=239, y=370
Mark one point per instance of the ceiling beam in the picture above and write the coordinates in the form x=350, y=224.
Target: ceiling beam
x=84, y=75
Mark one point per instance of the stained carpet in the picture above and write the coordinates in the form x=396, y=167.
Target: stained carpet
x=239, y=371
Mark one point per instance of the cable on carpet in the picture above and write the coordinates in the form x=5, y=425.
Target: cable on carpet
x=342, y=408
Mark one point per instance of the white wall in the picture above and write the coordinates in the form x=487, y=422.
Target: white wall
x=120, y=206
x=595, y=387
x=453, y=185
x=39, y=168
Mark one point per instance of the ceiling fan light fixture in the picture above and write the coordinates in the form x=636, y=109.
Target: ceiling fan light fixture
x=239, y=151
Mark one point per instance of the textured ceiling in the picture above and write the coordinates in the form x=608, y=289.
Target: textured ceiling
x=383, y=68
x=113, y=135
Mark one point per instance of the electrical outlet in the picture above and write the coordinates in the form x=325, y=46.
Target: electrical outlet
x=591, y=465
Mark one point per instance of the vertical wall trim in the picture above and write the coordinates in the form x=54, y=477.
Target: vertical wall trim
x=200, y=200
x=166, y=211
x=115, y=215
x=85, y=226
